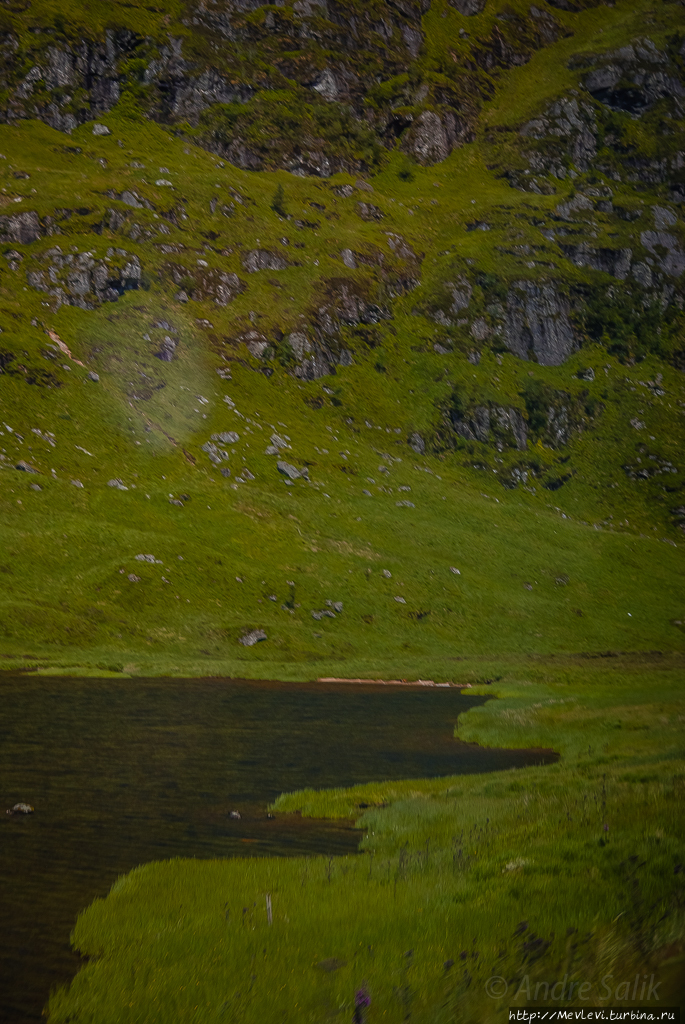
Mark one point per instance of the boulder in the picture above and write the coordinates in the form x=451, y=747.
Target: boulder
x=254, y=636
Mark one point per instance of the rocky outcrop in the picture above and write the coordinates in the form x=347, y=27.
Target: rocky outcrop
x=21, y=227
x=78, y=279
x=537, y=324
x=503, y=426
x=262, y=259
x=635, y=78
x=609, y=261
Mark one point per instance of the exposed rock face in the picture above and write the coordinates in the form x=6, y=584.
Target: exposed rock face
x=637, y=78
x=20, y=227
x=77, y=279
x=666, y=251
x=573, y=124
x=537, y=323
x=468, y=7
x=261, y=259
x=506, y=424
x=427, y=140
x=610, y=261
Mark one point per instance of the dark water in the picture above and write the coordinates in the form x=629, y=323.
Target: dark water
x=123, y=772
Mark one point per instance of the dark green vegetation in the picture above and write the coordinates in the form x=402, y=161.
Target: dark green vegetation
x=456, y=325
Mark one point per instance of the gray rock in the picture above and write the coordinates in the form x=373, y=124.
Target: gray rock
x=77, y=483
x=609, y=261
x=588, y=374
x=367, y=211
x=427, y=139
x=133, y=578
x=664, y=218
x=20, y=227
x=92, y=375
x=246, y=474
x=20, y=809
x=271, y=450
x=255, y=636
x=508, y=425
x=262, y=259
x=25, y=467
x=217, y=455
x=417, y=443
x=291, y=471
x=480, y=329
x=326, y=85
x=166, y=349
x=468, y=7
x=337, y=606
x=236, y=814
x=348, y=259
x=101, y=129
x=642, y=274
x=36, y=487
x=405, y=504
x=537, y=321
x=666, y=250
x=317, y=615
x=400, y=600
x=386, y=573
x=227, y=437
x=148, y=558
x=225, y=471
x=461, y=294
x=118, y=484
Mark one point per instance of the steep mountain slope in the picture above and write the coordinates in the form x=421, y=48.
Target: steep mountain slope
x=312, y=303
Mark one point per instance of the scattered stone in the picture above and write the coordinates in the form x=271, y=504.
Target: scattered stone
x=637, y=424
x=405, y=504
x=247, y=475
x=528, y=586
x=163, y=181
x=93, y=376
x=387, y=574
x=176, y=501
x=457, y=572
x=235, y=814
x=337, y=606
x=25, y=467
x=36, y=487
x=291, y=471
x=417, y=443
x=400, y=600
x=148, y=558
x=76, y=483
x=119, y=484
x=367, y=493
x=271, y=450
x=253, y=637
x=101, y=129
x=227, y=437
x=225, y=471
x=133, y=578
x=20, y=809
x=348, y=259
x=588, y=374
x=317, y=615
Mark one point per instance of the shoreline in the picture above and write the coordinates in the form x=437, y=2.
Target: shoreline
x=394, y=682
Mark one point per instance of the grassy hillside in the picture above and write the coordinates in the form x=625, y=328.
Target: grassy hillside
x=356, y=330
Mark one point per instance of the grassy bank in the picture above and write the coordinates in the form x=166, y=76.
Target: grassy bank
x=572, y=871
